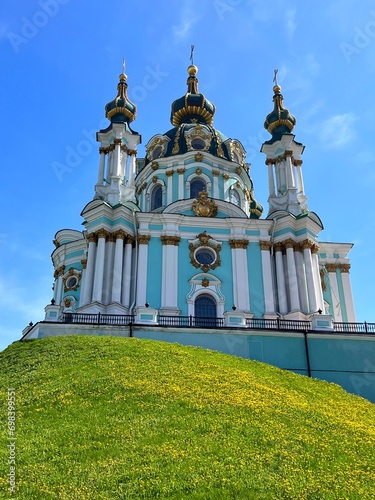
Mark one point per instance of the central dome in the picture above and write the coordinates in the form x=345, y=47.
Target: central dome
x=193, y=107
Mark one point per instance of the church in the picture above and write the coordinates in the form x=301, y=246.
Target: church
x=176, y=246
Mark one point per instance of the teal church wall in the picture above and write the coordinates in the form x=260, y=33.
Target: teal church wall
x=254, y=265
x=154, y=273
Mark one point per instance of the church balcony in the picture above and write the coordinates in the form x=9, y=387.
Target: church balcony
x=277, y=324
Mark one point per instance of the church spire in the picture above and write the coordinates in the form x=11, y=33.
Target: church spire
x=121, y=109
x=286, y=189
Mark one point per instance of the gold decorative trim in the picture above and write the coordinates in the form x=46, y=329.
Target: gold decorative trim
x=143, y=239
x=191, y=110
x=56, y=243
x=120, y=234
x=198, y=157
x=181, y=170
x=170, y=240
x=176, y=147
x=71, y=273
x=220, y=151
x=130, y=240
x=278, y=247
x=84, y=263
x=315, y=249
x=110, y=238
x=331, y=268
x=154, y=165
x=344, y=268
x=203, y=206
x=306, y=244
x=205, y=282
x=243, y=244
x=102, y=233
x=155, y=179
x=92, y=238
x=265, y=245
x=226, y=176
x=59, y=272
x=198, y=171
x=216, y=173
x=169, y=173
x=205, y=241
x=289, y=243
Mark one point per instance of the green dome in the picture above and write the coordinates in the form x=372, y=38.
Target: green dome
x=193, y=107
x=280, y=121
x=121, y=110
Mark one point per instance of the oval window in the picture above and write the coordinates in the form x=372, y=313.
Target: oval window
x=205, y=256
x=198, y=143
x=71, y=282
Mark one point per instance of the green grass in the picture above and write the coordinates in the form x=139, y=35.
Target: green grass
x=113, y=418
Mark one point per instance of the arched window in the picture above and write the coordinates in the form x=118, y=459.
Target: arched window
x=235, y=197
x=205, y=311
x=196, y=186
x=156, y=197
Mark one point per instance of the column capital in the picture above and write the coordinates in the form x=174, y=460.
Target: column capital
x=225, y=176
x=117, y=141
x=181, y=170
x=344, y=268
x=331, y=268
x=59, y=271
x=238, y=243
x=84, y=263
x=215, y=173
x=306, y=244
x=289, y=243
x=315, y=249
x=265, y=245
x=91, y=238
x=169, y=173
x=143, y=239
x=278, y=247
x=130, y=239
x=297, y=163
x=170, y=240
x=110, y=237
x=119, y=234
x=102, y=233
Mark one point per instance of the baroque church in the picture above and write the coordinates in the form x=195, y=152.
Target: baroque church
x=178, y=237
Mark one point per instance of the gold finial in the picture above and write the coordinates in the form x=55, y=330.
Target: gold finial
x=276, y=87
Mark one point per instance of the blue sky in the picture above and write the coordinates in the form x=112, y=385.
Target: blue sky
x=60, y=65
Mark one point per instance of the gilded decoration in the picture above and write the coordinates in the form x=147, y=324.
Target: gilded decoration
x=143, y=239
x=198, y=132
x=216, y=173
x=198, y=171
x=205, y=282
x=155, y=179
x=198, y=157
x=156, y=149
x=226, y=176
x=306, y=244
x=344, y=268
x=243, y=244
x=331, y=268
x=154, y=165
x=289, y=243
x=315, y=249
x=102, y=233
x=203, y=206
x=181, y=170
x=236, y=152
x=119, y=234
x=176, y=147
x=170, y=240
x=71, y=280
x=278, y=247
x=265, y=245
x=59, y=272
x=238, y=170
x=92, y=238
x=204, y=241
x=56, y=243
x=220, y=151
x=169, y=173
x=130, y=239
x=110, y=238
x=84, y=263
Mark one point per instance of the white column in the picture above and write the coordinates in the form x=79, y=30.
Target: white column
x=124, y=162
x=88, y=279
x=58, y=284
x=215, y=175
x=169, y=175
x=181, y=194
x=241, y=292
x=99, y=267
x=108, y=268
x=267, y=277
x=101, y=166
x=169, y=286
x=142, y=269
x=317, y=278
x=117, y=158
x=271, y=181
x=345, y=276
x=127, y=272
x=132, y=168
x=289, y=174
x=278, y=177
x=336, y=305
x=280, y=276
x=311, y=285
x=301, y=279
x=301, y=187
x=83, y=280
x=117, y=266
x=292, y=276
x=226, y=187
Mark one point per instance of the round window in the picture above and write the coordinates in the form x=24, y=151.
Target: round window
x=198, y=143
x=205, y=256
x=71, y=282
x=156, y=152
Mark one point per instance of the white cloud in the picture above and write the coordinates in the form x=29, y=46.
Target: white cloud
x=338, y=131
x=189, y=17
x=290, y=22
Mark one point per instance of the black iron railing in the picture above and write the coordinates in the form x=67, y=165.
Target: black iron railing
x=277, y=324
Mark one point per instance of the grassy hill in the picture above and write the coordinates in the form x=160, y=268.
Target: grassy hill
x=113, y=418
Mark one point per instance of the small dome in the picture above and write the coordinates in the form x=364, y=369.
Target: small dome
x=193, y=107
x=280, y=121
x=121, y=110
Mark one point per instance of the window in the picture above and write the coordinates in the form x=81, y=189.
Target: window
x=198, y=143
x=205, y=256
x=156, y=197
x=196, y=186
x=205, y=311
x=156, y=152
x=235, y=197
x=71, y=282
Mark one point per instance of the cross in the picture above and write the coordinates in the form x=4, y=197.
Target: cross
x=192, y=54
x=275, y=71
x=123, y=65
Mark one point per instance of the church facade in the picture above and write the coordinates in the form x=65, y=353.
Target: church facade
x=180, y=233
